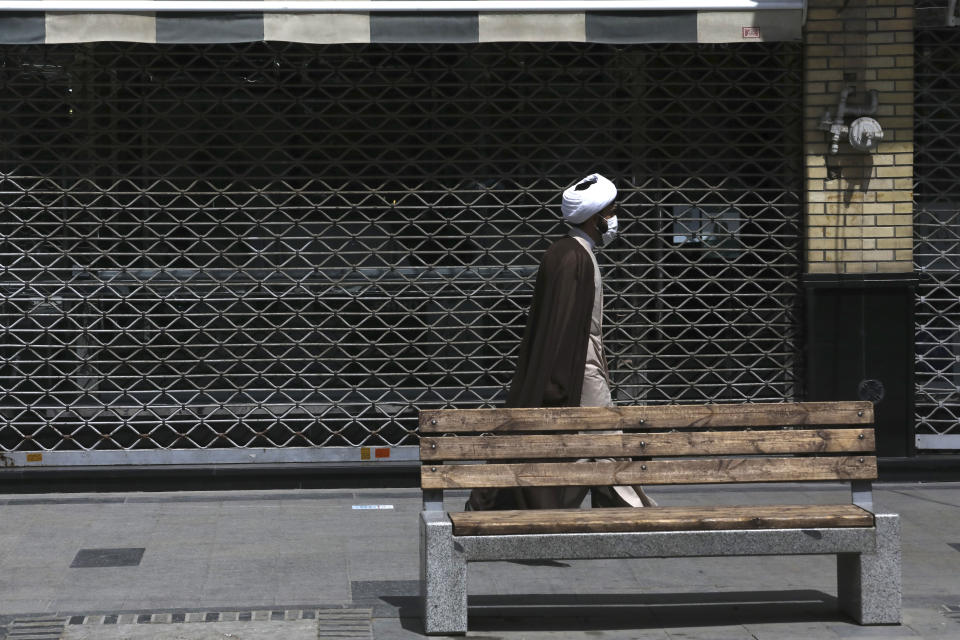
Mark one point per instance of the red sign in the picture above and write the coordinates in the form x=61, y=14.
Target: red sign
x=751, y=32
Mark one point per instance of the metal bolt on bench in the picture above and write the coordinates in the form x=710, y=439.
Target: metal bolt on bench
x=800, y=442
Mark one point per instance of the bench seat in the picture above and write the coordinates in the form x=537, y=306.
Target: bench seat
x=521, y=449
x=486, y=523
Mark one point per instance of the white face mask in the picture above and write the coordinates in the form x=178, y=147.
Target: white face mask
x=610, y=233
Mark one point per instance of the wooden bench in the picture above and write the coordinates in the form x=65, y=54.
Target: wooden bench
x=678, y=444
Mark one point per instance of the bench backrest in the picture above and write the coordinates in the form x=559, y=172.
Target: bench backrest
x=680, y=444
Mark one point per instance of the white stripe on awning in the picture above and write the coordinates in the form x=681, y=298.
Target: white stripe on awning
x=397, y=21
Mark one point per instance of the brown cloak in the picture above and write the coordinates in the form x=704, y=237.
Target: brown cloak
x=553, y=353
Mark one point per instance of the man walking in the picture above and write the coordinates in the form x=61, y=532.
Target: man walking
x=562, y=363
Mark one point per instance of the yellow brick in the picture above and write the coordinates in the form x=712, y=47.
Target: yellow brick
x=877, y=62
x=903, y=207
x=815, y=256
x=903, y=184
x=875, y=208
x=895, y=172
x=881, y=184
x=882, y=37
x=904, y=254
x=880, y=232
x=895, y=243
x=815, y=15
x=904, y=110
x=896, y=73
x=852, y=222
x=905, y=11
x=904, y=36
x=905, y=146
x=821, y=243
x=820, y=221
x=900, y=122
x=899, y=24
x=895, y=97
x=856, y=255
x=819, y=266
x=866, y=223
x=882, y=85
x=827, y=51
x=894, y=49
x=815, y=63
x=821, y=100
x=895, y=220
x=894, y=196
x=904, y=232
x=896, y=267
x=882, y=12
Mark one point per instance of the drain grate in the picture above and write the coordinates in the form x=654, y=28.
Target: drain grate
x=332, y=623
x=175, y=617
x=344, y=624
x=36, y=629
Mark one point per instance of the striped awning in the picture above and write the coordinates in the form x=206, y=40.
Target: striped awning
x=398, y=21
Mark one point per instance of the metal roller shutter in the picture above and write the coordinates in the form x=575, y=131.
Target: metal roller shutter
x=208, y=250
x=937, y=238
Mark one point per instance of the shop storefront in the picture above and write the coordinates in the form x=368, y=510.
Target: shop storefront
x=260, y=239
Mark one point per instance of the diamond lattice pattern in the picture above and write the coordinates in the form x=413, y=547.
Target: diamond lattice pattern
x=937, y=231
x=274, y=245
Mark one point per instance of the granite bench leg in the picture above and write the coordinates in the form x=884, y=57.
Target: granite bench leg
x=443, y=576
x=869, y=584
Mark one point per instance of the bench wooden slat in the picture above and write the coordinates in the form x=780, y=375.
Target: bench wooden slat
x=646, y=444
x=470, y=523
x=695, y=471
x=645, y=417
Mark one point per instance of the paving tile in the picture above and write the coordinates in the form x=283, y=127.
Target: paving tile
x=233, y=550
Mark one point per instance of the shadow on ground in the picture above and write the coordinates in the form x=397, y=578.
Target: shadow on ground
x=572, y=612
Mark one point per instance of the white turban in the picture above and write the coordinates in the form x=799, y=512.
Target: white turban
x=594, y=194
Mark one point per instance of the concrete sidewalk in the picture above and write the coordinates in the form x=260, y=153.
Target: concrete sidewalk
x=344, y=564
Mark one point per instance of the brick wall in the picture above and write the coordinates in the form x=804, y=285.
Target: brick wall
x=859, y=206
